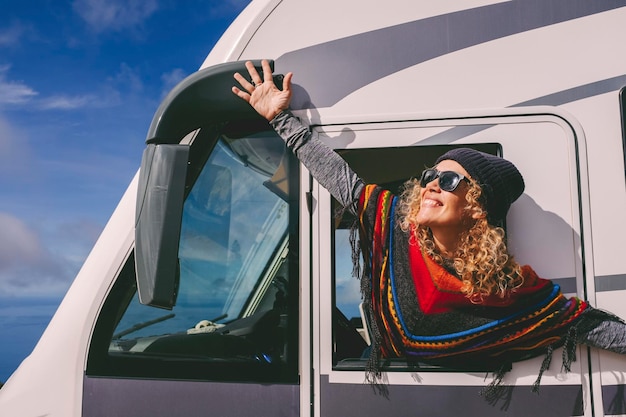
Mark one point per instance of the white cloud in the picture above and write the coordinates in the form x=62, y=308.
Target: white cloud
x=17, y=243
x=66, y=102
x=26, y=266
x=18, y=93
x=114, y=15
x=14, y=92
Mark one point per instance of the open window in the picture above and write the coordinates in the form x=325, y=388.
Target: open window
x=351, y=336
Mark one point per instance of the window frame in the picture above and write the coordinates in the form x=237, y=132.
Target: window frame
x=458, y=130
x=102, y=362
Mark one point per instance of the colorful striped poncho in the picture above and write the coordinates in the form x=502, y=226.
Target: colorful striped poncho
x=418, y=311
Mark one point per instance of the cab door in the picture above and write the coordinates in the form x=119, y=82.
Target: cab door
x=547, y=228
x=204, y=317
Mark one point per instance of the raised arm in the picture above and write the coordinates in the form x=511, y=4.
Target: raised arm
x=326, y=166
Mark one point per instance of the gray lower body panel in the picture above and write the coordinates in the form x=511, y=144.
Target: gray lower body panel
x=165, y=398
x=614, y=399
x=343, y=400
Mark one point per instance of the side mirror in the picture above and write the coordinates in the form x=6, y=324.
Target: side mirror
x=203, y=99
x=157, y=224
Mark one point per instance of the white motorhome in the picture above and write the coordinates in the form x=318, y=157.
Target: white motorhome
x=222, y=283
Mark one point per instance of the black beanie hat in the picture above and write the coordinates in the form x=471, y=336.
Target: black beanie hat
x=499, y=179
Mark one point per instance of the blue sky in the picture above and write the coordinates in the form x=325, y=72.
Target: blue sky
x=79, y=83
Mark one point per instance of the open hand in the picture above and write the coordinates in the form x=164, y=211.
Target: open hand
x=263, y=95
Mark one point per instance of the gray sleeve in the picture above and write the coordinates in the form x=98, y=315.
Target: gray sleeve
x=609, y=335
x=326, y=166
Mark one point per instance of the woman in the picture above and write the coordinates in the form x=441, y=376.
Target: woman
x=438, y=280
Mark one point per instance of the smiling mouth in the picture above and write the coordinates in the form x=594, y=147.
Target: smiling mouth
x=431, y=203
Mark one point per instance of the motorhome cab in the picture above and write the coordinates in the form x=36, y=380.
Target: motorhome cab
x=222, y=284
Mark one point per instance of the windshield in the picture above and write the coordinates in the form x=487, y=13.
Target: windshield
x=234, y=240
x=233, y=226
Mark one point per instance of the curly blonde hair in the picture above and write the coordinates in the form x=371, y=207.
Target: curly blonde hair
x=481, y=260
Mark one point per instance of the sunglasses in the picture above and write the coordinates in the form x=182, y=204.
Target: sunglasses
x=448, y=180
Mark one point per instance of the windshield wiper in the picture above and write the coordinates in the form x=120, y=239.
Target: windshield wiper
x=143, y=325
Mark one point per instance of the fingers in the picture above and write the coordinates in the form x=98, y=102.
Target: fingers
x=254, y=75
x=267, y=71
x=243, y=82
x=287, y=82
x=241, y=94
x=248, y=88
x=256, y=78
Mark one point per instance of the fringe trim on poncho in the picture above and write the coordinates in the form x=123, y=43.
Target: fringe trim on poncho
x=439, y=327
